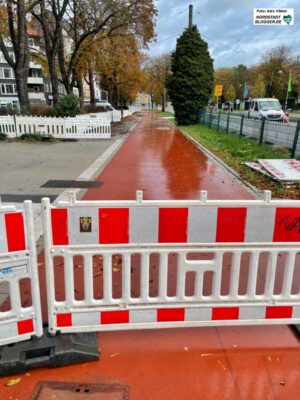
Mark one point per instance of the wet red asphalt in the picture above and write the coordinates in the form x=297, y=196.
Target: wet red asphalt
x=159, y=160
x=228, y=363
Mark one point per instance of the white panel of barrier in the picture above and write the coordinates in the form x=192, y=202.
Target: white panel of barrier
x=20, y=313
x=158, y=264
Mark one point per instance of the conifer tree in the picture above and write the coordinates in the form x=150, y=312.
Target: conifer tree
x=191, y=83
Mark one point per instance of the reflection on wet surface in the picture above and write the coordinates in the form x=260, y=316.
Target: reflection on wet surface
x=158, y=159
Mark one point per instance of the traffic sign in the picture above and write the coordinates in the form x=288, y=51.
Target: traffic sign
x=218, y=90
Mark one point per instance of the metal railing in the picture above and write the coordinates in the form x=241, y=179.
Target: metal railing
x=279, y=134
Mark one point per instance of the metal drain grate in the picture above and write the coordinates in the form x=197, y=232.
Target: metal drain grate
x=72, y=184
x=80, y=391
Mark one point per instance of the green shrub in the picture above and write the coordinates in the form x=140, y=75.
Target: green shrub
x=91, y=108
x=41, y=110
x=67, y=106
x=31, y=137
x=3, y=136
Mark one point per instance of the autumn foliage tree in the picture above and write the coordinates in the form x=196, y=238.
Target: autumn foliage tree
x=118, y=64
x=157, y=70
x=96, y=20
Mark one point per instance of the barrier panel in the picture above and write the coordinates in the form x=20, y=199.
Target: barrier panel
x=93, y=126
x=19, y=320
x=114, y=265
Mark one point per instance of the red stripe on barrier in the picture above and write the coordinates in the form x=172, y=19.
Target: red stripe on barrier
x=114, y=317
x=231, y=225
x=173, y=225
x=114, y=225
x=225, y=313
x=287, y=225
x=63, y=320
x=273, y=312
x=15, y=232
x=59, y=220
x=169, y=314
x=25, y=326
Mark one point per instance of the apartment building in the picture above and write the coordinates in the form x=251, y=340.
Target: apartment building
x=39, y=86
x=8, y=88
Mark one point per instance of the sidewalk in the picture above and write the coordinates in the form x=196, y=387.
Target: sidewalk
x=227, y=363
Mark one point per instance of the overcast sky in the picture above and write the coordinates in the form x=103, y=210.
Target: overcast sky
x=227, y=26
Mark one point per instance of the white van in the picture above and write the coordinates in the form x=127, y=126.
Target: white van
x=267, y=108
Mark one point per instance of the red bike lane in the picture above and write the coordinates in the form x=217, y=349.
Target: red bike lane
x=226, y=363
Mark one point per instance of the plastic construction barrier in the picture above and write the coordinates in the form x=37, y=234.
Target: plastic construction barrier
x=19, y=319
x=157, y=264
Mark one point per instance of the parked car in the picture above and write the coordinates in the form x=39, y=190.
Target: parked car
x=267, y=108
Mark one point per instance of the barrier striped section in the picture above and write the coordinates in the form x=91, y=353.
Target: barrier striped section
x=196, y=224
x=17, y=328
x=157, y=316
x=12, y=232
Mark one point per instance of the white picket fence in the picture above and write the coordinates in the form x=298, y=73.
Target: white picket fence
x=130, y=111
x=95, y=126
x=87, y=126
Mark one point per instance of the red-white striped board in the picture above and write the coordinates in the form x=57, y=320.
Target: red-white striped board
x=192, y=224
x=167, y=317
x=12, y=232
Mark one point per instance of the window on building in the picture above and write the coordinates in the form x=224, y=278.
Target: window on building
x=2, y=58
x=8, y=89
x=12, y=56
x=6, y=73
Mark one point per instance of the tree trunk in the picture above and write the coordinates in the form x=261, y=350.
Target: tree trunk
x=163, y=107
x=92, y=85
x=53, y=79
x=21, y=81
x=80, y=89
x=114, y=99
x=61, y=62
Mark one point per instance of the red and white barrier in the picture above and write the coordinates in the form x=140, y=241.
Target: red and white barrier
x=18, y=262
x=261, y=235
x=186, y=316
x=176, y=222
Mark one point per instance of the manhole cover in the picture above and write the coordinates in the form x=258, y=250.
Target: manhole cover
x=163, y=129
x=80, y=391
